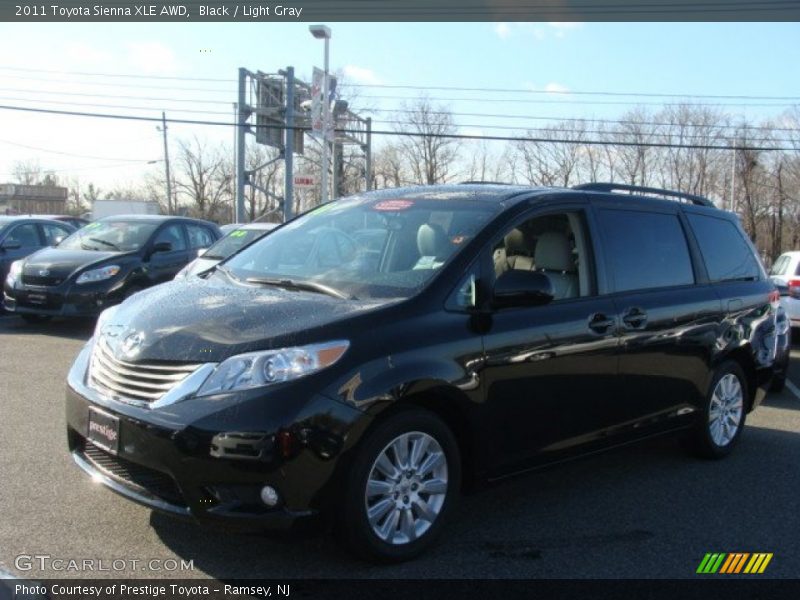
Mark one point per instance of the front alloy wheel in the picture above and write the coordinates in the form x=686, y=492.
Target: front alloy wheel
x=406, y=488
x=401, y=487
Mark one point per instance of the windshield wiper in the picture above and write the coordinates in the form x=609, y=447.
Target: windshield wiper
x=105, y=243
x=306, y=286
x=223, y=269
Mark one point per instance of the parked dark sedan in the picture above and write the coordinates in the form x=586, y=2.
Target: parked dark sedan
x=76, y=222
x=102, y=264
x=21, y=236
x=502, y=328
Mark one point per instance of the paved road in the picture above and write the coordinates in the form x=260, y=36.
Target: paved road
x=645, y=511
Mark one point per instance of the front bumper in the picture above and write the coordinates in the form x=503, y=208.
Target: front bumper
x=65, y=300
x=208, y=458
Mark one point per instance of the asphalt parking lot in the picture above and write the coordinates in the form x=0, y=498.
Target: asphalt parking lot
x=643, y=511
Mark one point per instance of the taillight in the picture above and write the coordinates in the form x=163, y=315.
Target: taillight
x=794, y=288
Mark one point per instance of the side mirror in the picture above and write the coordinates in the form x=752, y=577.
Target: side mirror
x=161, y=247
x=11, y=245
x=522, y=288
x=57, y=240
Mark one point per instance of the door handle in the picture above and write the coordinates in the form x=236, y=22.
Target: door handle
x=634, y=318
x=600, y=323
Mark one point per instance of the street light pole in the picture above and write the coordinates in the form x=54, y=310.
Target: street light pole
x=166, y=162
x=324, y=33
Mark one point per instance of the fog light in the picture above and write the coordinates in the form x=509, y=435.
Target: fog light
x=269, y=495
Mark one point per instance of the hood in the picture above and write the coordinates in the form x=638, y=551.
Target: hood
x=208, y=320
x=200, y=265
x=60, y=264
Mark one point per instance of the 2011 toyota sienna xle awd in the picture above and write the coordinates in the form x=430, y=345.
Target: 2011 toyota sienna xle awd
x=493, y=329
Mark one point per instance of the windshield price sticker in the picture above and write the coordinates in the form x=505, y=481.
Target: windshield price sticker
x=393, y=205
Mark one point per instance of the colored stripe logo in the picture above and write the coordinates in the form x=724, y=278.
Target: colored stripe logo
x=731, y=563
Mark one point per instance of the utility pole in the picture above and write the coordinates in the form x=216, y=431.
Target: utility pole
x=288, y=158
x=368, y=154
x=732, y=203
x=241, y=125
x=166, y=162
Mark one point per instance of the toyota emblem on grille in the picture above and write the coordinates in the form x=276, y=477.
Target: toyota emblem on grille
x=132, y=343
x=44, y=272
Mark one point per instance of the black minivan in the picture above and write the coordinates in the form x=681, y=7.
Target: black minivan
x=497, y=329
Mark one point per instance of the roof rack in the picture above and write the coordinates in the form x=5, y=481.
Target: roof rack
x=611, y=187
x=478, y=182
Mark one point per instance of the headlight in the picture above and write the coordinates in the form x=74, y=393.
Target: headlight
x=257, y=369
x=14, y=272
x=98, y=274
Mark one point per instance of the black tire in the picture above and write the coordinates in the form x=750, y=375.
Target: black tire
x=35, y=319
x=354, y=528
x=700, y=440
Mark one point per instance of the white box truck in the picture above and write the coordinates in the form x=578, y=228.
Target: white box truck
x=110, y=208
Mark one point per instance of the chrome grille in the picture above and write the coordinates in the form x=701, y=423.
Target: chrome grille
x=140, y=381
x=49, y=281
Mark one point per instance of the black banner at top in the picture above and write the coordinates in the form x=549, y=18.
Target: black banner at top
x=399, y=10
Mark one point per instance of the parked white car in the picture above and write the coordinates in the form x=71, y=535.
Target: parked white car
x=786, y=273
x=226, y=246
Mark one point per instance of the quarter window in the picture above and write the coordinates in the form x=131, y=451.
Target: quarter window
x=727, y=254
x=645, y=250
x=199, y=236
x=53, y=233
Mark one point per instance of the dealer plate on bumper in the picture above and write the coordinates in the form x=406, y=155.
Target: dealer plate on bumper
x=103, y=430
x=36, y=298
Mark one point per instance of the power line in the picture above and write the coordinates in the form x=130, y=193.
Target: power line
x=423, y=135
x=449, y=88
x=71, y=154
x=123, y=75
x=590, y=102
x=726, y=137
x=524, y=91
x=586, y=120
x=120, y=96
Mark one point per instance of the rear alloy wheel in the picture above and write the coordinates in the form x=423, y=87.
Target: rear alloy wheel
x=402, y=487
x=725, y=412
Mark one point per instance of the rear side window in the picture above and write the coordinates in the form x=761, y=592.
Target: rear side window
x=780, y=266
x=199, y=236
x=54, y=233
x=645, y=250
x=727, y=254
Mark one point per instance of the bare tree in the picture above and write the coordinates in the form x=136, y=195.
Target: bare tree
x=428, y=151
x=203, y=179
x=552, y=156
x=388, y=167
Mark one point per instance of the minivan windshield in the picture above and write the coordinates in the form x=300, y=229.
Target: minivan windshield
x=111, y=236
x=365, y=247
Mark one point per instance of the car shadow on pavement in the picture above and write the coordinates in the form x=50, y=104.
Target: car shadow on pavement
x=636, y=502
x=77, y=329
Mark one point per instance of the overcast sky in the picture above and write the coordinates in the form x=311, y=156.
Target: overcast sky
x=57, y=65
